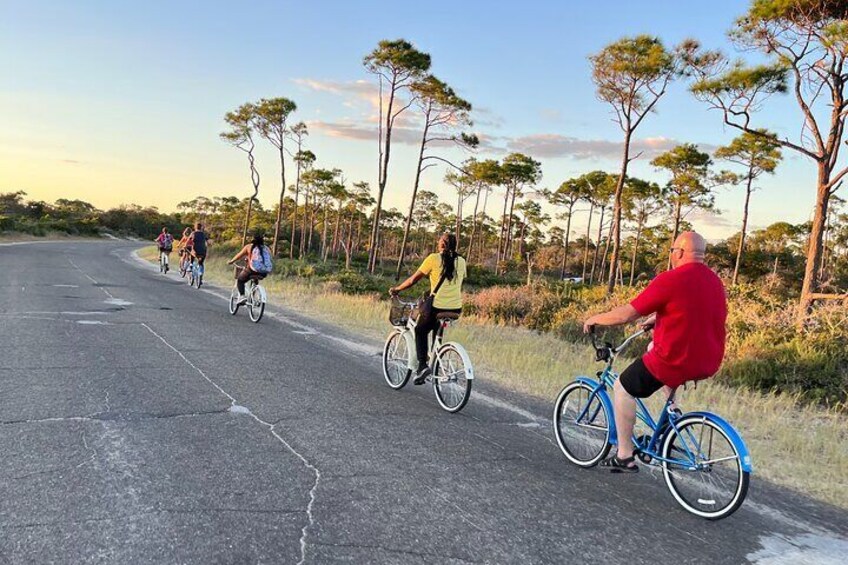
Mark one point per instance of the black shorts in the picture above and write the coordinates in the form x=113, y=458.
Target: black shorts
x=638, y=381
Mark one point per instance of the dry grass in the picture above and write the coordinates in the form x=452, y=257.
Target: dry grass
x=792, y=444
x=18, y=237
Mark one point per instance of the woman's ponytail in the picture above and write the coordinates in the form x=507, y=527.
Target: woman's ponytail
x=449, y=255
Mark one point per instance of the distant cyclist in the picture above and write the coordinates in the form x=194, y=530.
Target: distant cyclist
x=446, y=262
x=182, y=244
x=197, y=241
x=165, y=242
x=259, y=263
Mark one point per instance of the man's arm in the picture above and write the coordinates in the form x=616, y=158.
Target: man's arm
x=615, y=317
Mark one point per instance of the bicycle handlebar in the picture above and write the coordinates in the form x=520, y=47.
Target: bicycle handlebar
x=607, y=350
x=398, y=300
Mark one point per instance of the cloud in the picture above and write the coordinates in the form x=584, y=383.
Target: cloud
x=483, y=116
x=700, y=217
x=364, y=131
x=354, y=91
x=552, y=145
x=491, y=144
x=361, y=88
x=551, y=114
x=70, y=161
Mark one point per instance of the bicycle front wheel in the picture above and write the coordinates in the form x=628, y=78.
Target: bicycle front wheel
x=256, y=306
x=582, y=425
x=450, y=378
x=705, y=475
x=234, y=298
x=396, y=369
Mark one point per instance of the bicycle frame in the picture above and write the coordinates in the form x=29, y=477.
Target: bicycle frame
x=408, y=333
x=248, y=291
x=667, y=418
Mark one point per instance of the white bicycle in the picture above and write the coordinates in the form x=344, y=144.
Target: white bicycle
x=255, y=297
x=452, y=372
x=164, y=265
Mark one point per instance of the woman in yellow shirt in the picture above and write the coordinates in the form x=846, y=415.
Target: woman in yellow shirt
x=447, y=299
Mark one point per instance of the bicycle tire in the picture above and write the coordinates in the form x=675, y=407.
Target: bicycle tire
x=697, y=507
x=396, y=375
x=255, y=305
x=595, y=408
x=450, y=381
x=234, y=304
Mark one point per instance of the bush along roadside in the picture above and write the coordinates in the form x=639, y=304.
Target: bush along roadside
x=764, y=351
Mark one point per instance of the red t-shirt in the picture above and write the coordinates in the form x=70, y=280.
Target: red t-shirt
x=691, y=309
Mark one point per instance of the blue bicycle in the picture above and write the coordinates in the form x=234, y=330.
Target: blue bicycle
x=704, y=460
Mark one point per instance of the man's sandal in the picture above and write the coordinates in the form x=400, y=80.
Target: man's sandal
x=618, y=465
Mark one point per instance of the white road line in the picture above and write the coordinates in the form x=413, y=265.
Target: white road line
x=238, y=408
x=89, y=277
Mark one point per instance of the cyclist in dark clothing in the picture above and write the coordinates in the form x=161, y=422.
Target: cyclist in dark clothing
x=197, y=241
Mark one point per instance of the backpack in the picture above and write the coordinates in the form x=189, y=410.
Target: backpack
x=168, y=241
x=260, y=260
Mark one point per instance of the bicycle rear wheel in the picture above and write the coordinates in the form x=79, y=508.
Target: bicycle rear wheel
x=183, y=269
x=707, y=479
x=255, y=305
x=582, y=425
x=396, y=369
x=450, y=378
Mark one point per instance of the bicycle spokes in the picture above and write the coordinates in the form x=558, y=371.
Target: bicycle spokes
x=705, y=472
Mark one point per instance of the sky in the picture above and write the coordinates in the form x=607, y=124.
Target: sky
x=116, y=103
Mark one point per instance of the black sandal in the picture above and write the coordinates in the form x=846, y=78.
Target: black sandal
x=618, y=465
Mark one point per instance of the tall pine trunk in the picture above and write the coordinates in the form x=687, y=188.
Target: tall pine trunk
x=677, y=211
x=616, y=209
x=402, y=253
x=278, y=228
x=744, y=231
x=635, y=251
x=473, y=226
x=564, y=264
x=597, y=246
x=502, y=235
x=382, y=177
x=586, y=246
x=814, y=251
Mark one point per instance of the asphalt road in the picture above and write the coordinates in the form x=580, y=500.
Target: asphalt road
x=141, y=423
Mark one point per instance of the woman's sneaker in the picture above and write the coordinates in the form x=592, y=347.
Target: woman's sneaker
x=421, y=376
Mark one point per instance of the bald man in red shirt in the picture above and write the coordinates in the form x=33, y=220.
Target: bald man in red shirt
x=688, y=308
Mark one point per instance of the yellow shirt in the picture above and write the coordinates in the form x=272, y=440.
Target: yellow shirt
x=450, y=293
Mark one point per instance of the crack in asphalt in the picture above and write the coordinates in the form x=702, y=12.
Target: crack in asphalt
x=271, y=427
x=113, y=417
x=148, y=512
x=397, y=551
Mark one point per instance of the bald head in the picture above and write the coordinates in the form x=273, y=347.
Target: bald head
x=689, y=247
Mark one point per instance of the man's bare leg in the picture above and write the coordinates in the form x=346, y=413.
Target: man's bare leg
x=625, y=420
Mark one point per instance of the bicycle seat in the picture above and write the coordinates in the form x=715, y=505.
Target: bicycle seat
x=447, y=316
